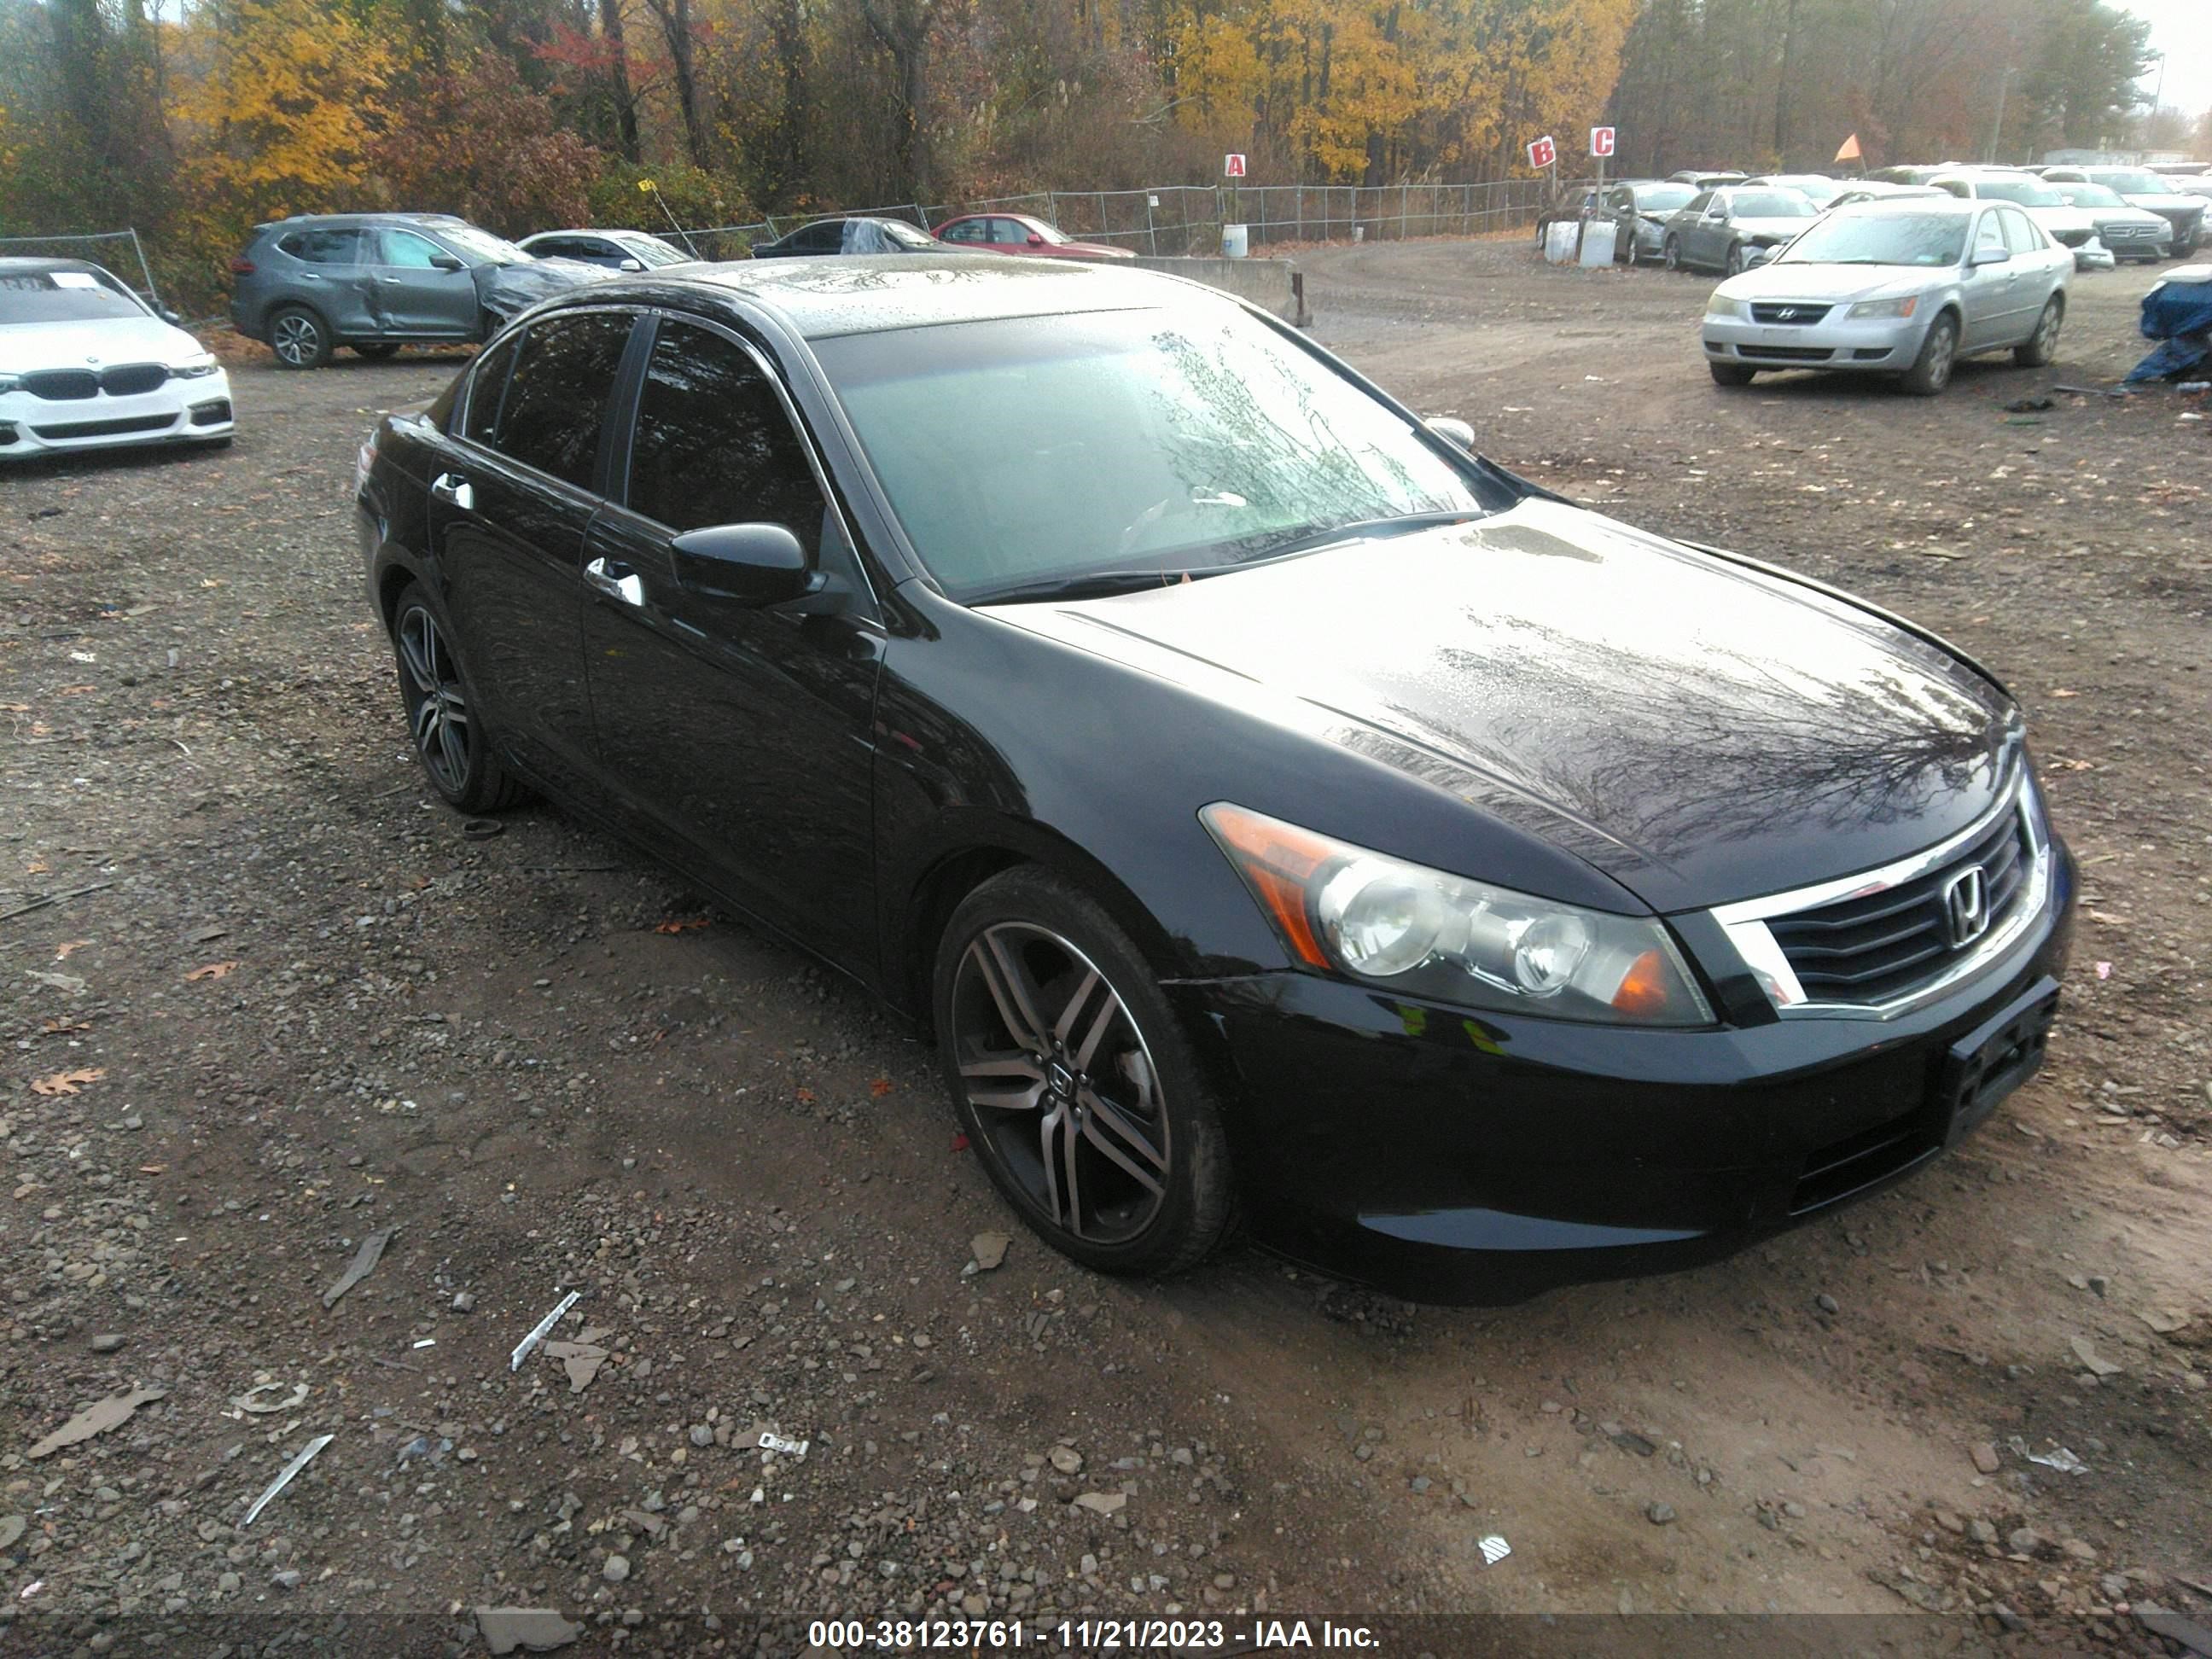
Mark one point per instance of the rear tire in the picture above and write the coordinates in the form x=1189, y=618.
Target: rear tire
x=1075, y=1083
x=2040, y=346
x=299, y=338
x=1732, y=374
x=449, y=734
x=1939, y=350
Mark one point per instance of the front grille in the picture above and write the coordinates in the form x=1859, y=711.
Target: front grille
x=128, y=380
x=58, y=386
x=2072, y=238
x=1787, y=354
x=106, y=429
x=1766, y=311
x=2111, y=233
x=1876, y=947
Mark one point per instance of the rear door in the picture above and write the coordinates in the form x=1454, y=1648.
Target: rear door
x=330, y=272
x=741, y=739
x=507, y=516
x=415, y=297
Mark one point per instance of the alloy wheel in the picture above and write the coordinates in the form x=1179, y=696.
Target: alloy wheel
x=297, y=340
x=1942, y=346
x=437, y=707
x=1060, y=1083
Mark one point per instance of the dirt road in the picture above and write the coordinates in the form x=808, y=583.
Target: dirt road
x=299, y=1008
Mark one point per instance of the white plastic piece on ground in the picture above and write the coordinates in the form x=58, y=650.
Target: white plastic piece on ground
x=305, y=1456
x=1494, y=1549
x=1597, y=242
x=1559, y=241
x=1235, y=241
x=537, y=1333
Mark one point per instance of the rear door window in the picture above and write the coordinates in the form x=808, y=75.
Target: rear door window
x=326, y=246
x=557, y=395
x=2020, y=234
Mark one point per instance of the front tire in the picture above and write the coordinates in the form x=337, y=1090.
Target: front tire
x=1074, y=1081
x=1673, y=253
x=1939, y=350
x=1731, y=374
x=447, y=732
x=1735, y=265
x=299, y=338
x=2040, y=346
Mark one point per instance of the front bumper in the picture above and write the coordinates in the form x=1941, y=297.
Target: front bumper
x=196, y=410
x=1884, y=344
x=1450, y=1157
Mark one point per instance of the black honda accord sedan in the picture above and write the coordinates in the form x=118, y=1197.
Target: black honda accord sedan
x=1276, y=812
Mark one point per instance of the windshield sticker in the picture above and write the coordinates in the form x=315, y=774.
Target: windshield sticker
x=75, y=279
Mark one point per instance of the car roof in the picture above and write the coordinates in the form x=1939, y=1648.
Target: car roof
x=347, y=221
x=821, y=299
x=32, y=264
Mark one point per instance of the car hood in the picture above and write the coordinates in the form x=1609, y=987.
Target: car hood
x=1779, y=230
x=508, y=289
x=1699, y=729
x=96, y=344
x=1805, y=279
x=2127, y=216
x=1097, y=251
x=2169, y=203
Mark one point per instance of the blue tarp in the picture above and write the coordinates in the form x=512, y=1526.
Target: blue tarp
x=2179, y=316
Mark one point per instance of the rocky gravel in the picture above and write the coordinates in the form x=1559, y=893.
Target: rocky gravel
x=280, y=1005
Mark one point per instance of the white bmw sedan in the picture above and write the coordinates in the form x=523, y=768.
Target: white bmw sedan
x=85, y=364
x=1903, y=288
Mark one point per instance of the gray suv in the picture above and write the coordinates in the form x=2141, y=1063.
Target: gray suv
x=376, y=282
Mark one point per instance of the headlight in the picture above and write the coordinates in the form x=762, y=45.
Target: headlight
x=1903, y=308
x=1427, y=933
x=1720, y=306
x=193, y=368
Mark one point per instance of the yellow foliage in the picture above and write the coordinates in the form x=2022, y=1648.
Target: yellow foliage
x=278, y=104
x=1392, y=86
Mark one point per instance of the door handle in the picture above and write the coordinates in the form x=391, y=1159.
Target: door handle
x=451, y=487
x=616, y=581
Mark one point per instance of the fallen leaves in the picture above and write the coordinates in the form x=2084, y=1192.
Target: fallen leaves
x=68, y=946
x=213, y=970
x=880, y=1087
x=68, y=1083
x=62, y=1027
x=677, y=925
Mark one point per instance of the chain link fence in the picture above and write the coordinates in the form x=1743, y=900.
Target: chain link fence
x=1173, y=220
x=104, y=248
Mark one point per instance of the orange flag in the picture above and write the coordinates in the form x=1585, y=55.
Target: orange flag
x=1850, y=152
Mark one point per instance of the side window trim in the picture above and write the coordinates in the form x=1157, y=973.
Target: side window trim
x=632, y=393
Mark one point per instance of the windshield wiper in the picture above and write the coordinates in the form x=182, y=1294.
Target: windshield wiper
x=1096, y=585
x=1313, y=536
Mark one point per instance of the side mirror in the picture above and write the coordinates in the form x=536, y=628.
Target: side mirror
x=1990, y=256
x=747, y=564
x=1452, y=430
x=1035, y=240
x=631, y=265
x=171, y=315
x=446, y=262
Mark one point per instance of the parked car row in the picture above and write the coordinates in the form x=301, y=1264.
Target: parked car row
x=1727, y=221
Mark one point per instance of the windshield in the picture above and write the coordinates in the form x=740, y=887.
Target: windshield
x=1041, y=449
x=651, y=250
x=1882, y=238
x=62, y=296
x=481, y=246
x=2028, y=192
x=2091, y=196
x=907, y=236
x=1052, y=234
x=1769, y=204
x=2131, y=183
x=1809, y=183
x=1661, y=198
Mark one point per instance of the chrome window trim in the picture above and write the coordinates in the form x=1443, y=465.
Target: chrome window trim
x=1745, y=921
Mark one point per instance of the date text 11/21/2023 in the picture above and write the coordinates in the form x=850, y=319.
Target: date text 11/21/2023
x=1082, y=1636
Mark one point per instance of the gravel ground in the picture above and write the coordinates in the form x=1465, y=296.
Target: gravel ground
x=297, y=1011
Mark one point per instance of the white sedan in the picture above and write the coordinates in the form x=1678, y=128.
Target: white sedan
x=85, y=364
x=1903, y=288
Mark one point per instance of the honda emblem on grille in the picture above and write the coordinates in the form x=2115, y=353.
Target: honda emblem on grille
x=1967, y=906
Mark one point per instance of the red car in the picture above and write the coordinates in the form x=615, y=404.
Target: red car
x=1017, y=233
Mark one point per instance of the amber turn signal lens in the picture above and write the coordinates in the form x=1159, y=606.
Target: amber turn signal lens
x=1276, y=861
x=1643, y=990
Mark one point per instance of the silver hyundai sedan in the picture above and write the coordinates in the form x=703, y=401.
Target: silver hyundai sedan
x=1903, y=287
